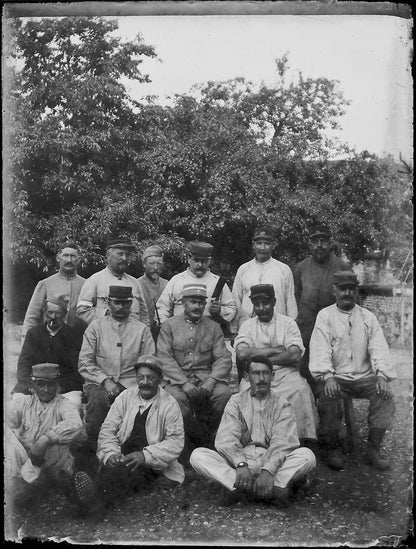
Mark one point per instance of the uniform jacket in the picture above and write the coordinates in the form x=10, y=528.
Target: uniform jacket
x=92, y=302
x=164, y=431
x=151, y=292
x=234, y=432
x=186, y=348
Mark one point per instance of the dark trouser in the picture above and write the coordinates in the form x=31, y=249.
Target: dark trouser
x=98, y=405
x=114, y=483
x=380, y=411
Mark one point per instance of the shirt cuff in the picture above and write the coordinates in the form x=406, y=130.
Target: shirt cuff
x=328, y=375
x=379, y=373
x=148, y=459
x=52, y=436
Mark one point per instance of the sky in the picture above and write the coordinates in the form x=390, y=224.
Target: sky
x=370, y=56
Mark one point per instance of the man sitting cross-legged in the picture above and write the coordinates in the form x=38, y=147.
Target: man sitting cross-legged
x=139, y=441
x=257, y=445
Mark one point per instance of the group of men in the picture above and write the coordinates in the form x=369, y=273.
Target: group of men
x=149, y=360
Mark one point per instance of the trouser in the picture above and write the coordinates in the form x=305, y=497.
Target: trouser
x=97, y=407
x=380, y=412
x=213, y=466
x=201, y=416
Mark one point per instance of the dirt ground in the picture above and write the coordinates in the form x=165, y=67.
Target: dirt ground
x=356, y=507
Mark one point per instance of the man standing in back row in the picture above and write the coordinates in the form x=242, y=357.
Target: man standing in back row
x=263, y=269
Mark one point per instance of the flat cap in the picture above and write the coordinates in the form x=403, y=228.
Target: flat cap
x=265, y=232
x=61, y=300
x=152, y=251
x=262, y=290
x=124, y=243
x=45, y=370
x=345, y=278
x=122, y=293
x=152, y=362
x=319, y=230
x=200, y=249
x=194, y=290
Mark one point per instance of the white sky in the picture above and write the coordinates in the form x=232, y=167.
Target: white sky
x=369, y=55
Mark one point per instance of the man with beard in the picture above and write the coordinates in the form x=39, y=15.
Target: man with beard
x=92, y=302
x=196, y=365
x=53, y=342
x=66, y=282
x=220, y=309
x=257, y=445
x=151, y=283
x=350, y=356
x=313, y=286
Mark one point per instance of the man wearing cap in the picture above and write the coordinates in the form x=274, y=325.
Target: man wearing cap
x=313, y=286
x=257, y=444
x=263, y=269
x=110, y=349
x=350, y=356
x=55, y=342
x=277, y=337
x=196, y=363
x=38, y=429
x=221, y=308
x=141, y=437
x=92, y=302
x=151, y=283
x=66, y=282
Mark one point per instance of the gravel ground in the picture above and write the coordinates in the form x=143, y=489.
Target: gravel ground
x=358, y=506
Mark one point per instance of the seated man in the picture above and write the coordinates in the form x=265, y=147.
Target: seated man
x=110, y=349
x=349, y=356
x=54, y=342
x=277, y=337
x=140, y=439
x=196, y=364
x=257, y=445
x=39, y=428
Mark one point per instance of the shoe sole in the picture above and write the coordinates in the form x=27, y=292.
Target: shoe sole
x=84, y=487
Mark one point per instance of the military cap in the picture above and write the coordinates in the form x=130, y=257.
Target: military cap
x=262, y=290
x=265, y=232
x=151, y=362
x=121, y=293
x=60, y=300
x=124, y=243
x=194, y=290
x=152, y=251
x=319, y=230
x=345, y=278
x=200, y=249
x=45, y=370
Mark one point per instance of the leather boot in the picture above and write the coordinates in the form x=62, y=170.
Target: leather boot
x=372, y=456
x=334, y=457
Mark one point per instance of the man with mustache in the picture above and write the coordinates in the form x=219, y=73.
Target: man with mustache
x=151, y=283
x=277, y=338
x=53, y=342
x=92, y=302
x=196, y=365
x=111, y=347
x=313, y=286
x=199, y=260
x=350, y=356
x=139, y=442
x=66, y=282
x=257, y=447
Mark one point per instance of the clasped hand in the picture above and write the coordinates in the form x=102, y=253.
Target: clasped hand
x=131, y=461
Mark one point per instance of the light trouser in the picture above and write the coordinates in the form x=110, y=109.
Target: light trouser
x=213, y=466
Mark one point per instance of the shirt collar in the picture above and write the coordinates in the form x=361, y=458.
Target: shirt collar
x=67, y=277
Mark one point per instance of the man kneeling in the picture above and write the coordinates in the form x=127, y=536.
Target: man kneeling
x=139, y=441
x=257, y=444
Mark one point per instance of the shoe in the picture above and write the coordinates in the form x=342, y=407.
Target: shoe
x=302, y=483
x=335, y=459
x=280, y=496
x=85, y=489
x=373, y=457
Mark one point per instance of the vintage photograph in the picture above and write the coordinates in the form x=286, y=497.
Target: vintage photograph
x=208, y=273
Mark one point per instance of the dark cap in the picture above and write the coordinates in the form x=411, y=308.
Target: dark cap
x=319, y=230
x=200, y=249
x=262, y=290
x=60, y=300
x=45, y=370
x=122, y=293
x=152, y=251
x=124, y=243
x=345, y=278
x=152, y=362
x=194, y=290
x=265, y=232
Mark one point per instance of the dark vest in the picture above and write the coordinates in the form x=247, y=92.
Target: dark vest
x=137, y=439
